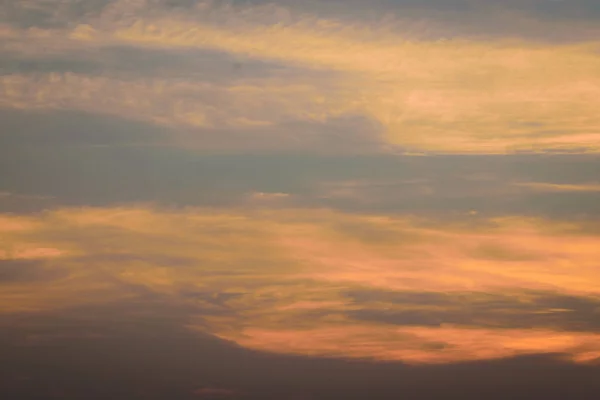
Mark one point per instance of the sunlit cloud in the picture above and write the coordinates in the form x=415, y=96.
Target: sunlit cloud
x=556, y=187
x=267, y=115
x=325, y=283
x=399, y=185
x=157, y=101
x=457, y=96
x=422, y=345
x=270, y=198
x=460, y=95
x=464, y=259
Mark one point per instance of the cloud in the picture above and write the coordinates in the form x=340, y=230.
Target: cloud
x=252, y=116
x=519, y=310
x=436, y=259
x=321, y=282
x=269, y=198
x=421, y=345
x=22, y=197
x=461, y=95
x=127, y=62
x=556, y=187
x=27, y=269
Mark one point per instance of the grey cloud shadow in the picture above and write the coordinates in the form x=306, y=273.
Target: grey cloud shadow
x=558, y=8
x=49, y=14
x=15, y=63
x=132, y=62
x=480, y=19
x=335, y=136
x=140, y=350
x=28, y=271
x=486, y=310
x=69, y=129
x=462, y=17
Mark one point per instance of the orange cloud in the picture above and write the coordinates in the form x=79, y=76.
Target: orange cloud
x=452, y=96
x=421, y=345
x=282, y=280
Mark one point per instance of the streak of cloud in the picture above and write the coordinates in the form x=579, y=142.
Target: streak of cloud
x=462, y=95
x=226, y=269
x=556, y=187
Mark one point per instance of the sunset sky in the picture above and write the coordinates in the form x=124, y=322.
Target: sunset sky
x=247, y=199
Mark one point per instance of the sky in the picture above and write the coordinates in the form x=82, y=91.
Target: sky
x=307, y=200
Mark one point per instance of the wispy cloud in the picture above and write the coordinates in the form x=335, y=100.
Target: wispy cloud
x=559, y=187
x=282, y=280
x=422, y=345
x=461, y=95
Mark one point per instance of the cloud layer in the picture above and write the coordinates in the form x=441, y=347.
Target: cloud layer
x=317, y=282
x=315, y=179
x=459, y=94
